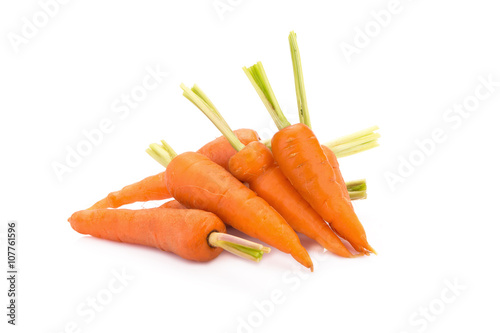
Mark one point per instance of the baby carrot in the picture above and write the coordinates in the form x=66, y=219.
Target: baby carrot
x=150, y=188
x=302, y=160
x=337, y=185
x=254, y=164
x=173, y=204
x=191, y=234
x=197, y=182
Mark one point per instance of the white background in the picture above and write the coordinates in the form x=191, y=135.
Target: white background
x=440, y=224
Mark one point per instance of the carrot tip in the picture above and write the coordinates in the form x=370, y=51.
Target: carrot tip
x=371, y=249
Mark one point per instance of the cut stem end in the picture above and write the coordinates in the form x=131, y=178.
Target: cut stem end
x=238, y=246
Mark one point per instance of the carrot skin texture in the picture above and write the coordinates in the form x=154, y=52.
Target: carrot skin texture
x=302, y=160
x=197, y=182
x=174, y=204
x=332, y=159
x=181, y=231
x=153, y=187
x=220, y=150
x=255, y=165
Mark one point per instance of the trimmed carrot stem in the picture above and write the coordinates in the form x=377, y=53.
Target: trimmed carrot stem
x=238, y=246
x=163, y=154
x=202, y=102
x=300, y=89
x=354, y=143
x=356, y=185
x=257, y=76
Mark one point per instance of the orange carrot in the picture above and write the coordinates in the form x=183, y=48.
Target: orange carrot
x=302, y=160
x=341, y=208
x=173, y=204
x=220, y=150
x=150, y=188
x=153, y=187
x=332, y=159
x=254, y=164
x=197, y=182
x=189, y=233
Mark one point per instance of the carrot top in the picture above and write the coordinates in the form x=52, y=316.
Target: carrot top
x=257, y=76
x=354, y=143
x=238, y=246
x=162, y=154
x=202, y=102
x=300, y=89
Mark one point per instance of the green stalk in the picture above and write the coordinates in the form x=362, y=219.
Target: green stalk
x=163, y=153
x=356, y=185
x=257, y=76
x=298, y=75
x=238, y=246
x=351, y=137
x=358, y=149
x=357, y=195
x=353, y=144
x=356, y=189
x=202, y=102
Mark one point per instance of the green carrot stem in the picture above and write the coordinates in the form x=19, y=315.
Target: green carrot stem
x=298, y=75
x=356, y=185
x=163, y=154
x=357, y=149
x=238, y=246
x=353, y=136
x=357, y=189
x=202, y=102
x=257, y=76
x=357, y=142
x=197, y=90
x=357, y=195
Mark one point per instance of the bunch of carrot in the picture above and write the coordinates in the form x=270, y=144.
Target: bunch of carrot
x=268, y=190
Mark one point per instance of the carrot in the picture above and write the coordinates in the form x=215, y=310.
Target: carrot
x=337, y=186
x=220, y=150
x=173, y=204
x=153, y=187
x=254, y=164
x=150, y=188
x=332, y=160
x=189, y=233
x=197, y=182
x=302, y=160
